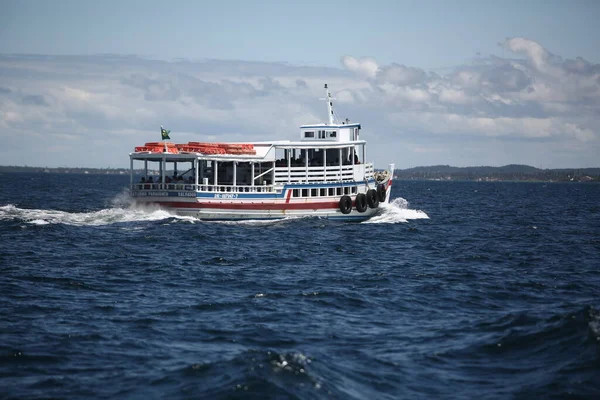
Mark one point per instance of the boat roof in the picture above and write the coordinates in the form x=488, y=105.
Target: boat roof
x=262, y=149
x=313, y=144
x=330, y=126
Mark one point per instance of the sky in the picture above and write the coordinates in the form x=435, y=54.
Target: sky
x=462, y=83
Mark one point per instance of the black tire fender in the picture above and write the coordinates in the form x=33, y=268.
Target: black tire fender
x=381, y=192
x=361, y=202
x=345, y=204
x=372, y=198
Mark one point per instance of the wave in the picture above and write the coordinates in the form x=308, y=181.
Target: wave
x=257, y=222
x=396, y=211
x=253, y=374
x=124, y=210
x=594, y=322
x=94, y=218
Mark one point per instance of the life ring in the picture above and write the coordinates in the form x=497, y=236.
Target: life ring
x=345, y=204
x=361, y=202
x=372, y=198
x=381, y=192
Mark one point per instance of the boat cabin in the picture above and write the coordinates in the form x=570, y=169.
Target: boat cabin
x=327, y=154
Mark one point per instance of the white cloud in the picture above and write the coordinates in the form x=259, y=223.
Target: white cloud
x=540, y=58
x=454, y=96
x=365, y=66
x=118, y=102
x=539, y=97
x=400, y=74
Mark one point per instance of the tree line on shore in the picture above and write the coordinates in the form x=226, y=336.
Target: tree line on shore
x=506, y=173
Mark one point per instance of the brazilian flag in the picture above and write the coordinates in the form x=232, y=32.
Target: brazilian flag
x=164, y=133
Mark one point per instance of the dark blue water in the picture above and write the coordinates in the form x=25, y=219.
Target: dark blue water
x=495, y=295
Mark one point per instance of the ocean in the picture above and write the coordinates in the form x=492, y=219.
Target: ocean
x=455, y=290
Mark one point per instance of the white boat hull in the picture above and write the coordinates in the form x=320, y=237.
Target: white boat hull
x=211, y=206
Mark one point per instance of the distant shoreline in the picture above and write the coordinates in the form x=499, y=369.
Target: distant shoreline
x=512, y=173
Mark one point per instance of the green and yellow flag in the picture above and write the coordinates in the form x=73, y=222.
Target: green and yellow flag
x=164, y=133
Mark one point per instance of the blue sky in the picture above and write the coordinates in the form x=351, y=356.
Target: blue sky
x=433, y=82
x=427, y=34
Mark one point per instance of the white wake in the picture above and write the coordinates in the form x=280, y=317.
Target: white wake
x=124, y=210
x=396, y=211
x=94, y=218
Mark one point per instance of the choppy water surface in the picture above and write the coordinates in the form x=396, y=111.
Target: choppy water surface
x=456, y=290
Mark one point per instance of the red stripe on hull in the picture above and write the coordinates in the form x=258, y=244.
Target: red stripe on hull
x=250, y=206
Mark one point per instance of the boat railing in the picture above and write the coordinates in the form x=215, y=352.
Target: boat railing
x=236, y=188
x=330, y=173
x=203, y=188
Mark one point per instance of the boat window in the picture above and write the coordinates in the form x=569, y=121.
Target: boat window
x=304, y=192
x=309, y=134
x=346, y=190
x=296, y=193
x=338, y=191
x=321, y=134
x=354, y=190
x=332, y=191
x=331, y=134
x=323, y=192
x=314, y=192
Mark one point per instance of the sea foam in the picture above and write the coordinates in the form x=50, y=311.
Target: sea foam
x=396, y=211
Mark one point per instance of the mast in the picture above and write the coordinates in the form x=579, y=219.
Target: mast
x=329, y=105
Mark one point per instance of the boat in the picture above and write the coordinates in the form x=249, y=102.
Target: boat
x=323, y=174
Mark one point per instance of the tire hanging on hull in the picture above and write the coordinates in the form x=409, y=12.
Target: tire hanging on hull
x=372, y=198
x=381, y=192
x=361, y=202
x=345, y=205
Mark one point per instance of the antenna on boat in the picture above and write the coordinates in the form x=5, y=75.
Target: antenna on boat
x=329, y=105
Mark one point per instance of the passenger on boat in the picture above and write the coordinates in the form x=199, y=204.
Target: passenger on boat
x=356, y=161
